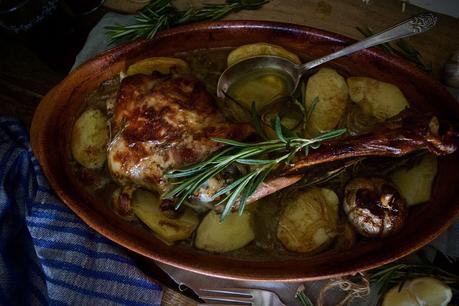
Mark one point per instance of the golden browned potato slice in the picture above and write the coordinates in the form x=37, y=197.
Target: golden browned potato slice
x=309, y=222
x=168, y=228
x=331, y=91
x=90, y=138
x=234, y=232
x=379, y=99
x=261, y=48
x=160, y=64
x=415, y=184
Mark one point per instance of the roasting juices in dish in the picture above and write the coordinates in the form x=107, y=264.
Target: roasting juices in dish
x=257, y=174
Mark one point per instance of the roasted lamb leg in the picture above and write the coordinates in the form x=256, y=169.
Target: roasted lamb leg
x=408, y=132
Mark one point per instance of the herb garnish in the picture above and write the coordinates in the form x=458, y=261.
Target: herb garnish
x=187, y=180
x=302, y=297
x=162, y=14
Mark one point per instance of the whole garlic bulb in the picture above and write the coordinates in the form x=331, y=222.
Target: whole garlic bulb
x=451, y=71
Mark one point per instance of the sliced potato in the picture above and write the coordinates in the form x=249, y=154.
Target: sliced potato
x=90, y=138
x=160, y=64
x=261, y=48
x=415, y=184
x=426, y=291
x=231, y=234
x=309, y=222
x=169, y=228
x=330, y=91
x=379, y=99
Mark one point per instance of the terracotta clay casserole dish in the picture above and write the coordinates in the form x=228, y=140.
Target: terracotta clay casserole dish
x=53, y=121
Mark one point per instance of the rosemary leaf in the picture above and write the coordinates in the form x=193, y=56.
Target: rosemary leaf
x=248, y=190
x=246, y=161
x=234, y=196
x=310, y=110
x=260, y=178
x=300, y=102
x=229, y=187
x=278, y=129
x=330, y=135
x=244, y=196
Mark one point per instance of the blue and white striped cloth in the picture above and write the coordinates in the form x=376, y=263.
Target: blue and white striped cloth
x=48, y=256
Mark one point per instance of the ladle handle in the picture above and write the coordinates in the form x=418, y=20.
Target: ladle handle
x=415, y=25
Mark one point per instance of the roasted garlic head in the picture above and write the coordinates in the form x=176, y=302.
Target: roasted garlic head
x=374, y=206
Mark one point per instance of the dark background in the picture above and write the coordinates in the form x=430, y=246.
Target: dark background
x=35, y=60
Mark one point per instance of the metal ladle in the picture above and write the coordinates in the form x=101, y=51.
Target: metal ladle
x=292, y=73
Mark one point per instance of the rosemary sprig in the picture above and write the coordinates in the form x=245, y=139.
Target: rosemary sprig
x=302, y=297
x=188, y=180
x=162, y=14
x=402, y=48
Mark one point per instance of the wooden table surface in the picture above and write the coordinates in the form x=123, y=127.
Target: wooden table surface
x=25, y=76
x=343, y=16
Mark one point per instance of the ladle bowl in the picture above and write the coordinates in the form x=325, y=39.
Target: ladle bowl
x=292, y=73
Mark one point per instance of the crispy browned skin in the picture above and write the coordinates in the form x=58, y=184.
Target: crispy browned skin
x=408, y=132
x=163, y=123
